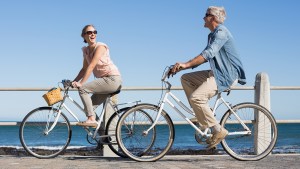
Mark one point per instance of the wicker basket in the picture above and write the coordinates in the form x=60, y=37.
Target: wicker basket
x=53, y=96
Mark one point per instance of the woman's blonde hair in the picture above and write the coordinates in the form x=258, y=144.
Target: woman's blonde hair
x=84, y=30
x=218, y=12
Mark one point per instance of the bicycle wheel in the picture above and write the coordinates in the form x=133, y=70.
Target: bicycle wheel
x=257, y=143
x=111, y=132
x=36, y=138
x=138, y=144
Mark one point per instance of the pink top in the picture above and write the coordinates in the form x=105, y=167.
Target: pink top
x=105, y=66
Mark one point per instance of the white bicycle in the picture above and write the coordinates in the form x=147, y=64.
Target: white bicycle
x=45, y=132
x=145, y=132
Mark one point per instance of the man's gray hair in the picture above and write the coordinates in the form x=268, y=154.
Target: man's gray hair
x=218, y=12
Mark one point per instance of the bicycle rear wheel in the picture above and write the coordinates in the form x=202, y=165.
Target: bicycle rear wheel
x=138, y=144
x=111, y=132
x=35, y=136
x=261, y=139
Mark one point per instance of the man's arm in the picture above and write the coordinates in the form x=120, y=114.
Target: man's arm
x=196, y=61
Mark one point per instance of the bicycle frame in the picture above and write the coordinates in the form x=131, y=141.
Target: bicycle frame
x=64, y=106
x=188, y=110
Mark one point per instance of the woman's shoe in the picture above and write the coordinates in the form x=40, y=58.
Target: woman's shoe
x=89, y=124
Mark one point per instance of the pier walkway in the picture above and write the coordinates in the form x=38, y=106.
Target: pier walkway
x=289, y=161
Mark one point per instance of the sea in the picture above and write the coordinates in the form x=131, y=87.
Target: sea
x=288, y=138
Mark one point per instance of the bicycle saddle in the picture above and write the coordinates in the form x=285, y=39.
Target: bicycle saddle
x=116, y=92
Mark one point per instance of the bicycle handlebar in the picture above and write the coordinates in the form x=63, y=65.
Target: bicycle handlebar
x=167, y=73
x=66, y=83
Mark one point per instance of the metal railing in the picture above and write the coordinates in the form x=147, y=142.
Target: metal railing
x=13, y=123
x=154, y=88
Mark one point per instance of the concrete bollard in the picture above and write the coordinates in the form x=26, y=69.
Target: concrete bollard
x=109, y=111
x=262, y=97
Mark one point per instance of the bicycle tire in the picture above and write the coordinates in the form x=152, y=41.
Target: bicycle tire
x=137, y=144
x=263, y=137
x=40, y=144
x=111, y=132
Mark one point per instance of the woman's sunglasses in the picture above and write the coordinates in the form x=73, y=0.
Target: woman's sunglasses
x=90, y=32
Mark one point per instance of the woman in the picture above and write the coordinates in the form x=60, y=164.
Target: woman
x=96, y=60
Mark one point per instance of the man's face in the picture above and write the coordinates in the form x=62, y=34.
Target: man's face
x=208, y=18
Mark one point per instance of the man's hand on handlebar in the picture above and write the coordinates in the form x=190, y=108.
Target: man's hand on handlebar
x=176, y=68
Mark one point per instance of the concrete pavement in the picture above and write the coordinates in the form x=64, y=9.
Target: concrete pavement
x=289, y=161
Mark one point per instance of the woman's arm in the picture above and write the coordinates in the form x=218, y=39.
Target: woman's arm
x=100, y=51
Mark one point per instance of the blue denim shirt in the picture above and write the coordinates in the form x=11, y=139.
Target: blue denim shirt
x=224, y=60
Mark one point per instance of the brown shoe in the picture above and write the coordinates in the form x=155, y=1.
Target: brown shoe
x=217, y=138
x=209, y=141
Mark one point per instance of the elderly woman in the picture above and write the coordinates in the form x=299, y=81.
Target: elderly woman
x=226, y=69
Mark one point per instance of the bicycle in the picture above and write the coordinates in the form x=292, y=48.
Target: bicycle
x=50, y=127
x=145, y=132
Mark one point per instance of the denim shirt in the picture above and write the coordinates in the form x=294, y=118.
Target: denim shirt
x=224, y=60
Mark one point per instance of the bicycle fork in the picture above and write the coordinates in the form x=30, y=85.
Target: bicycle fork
x=50, y=115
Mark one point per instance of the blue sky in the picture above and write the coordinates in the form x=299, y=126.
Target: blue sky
x=41, y=44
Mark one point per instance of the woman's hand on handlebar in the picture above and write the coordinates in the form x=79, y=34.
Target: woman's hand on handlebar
x=76, y=84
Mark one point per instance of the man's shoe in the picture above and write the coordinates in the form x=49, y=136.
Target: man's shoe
x=208, y=141
x=217, y=138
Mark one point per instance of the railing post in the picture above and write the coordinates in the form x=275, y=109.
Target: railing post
x=262, y=97
x=108, y=113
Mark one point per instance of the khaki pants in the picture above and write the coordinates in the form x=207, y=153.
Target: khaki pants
x=199, y=87
x=101, y=88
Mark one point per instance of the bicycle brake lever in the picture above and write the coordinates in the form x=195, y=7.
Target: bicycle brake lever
x=66, y=83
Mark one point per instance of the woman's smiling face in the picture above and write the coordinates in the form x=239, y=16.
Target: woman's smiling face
x=90, y=35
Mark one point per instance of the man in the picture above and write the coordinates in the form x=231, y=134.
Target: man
x=226, y=69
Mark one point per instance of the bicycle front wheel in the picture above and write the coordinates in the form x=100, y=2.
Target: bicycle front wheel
x=137, y=140
x=255, y=143
x=36, y=138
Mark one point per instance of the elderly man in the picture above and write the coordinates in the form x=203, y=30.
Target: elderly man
x=226, y=69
